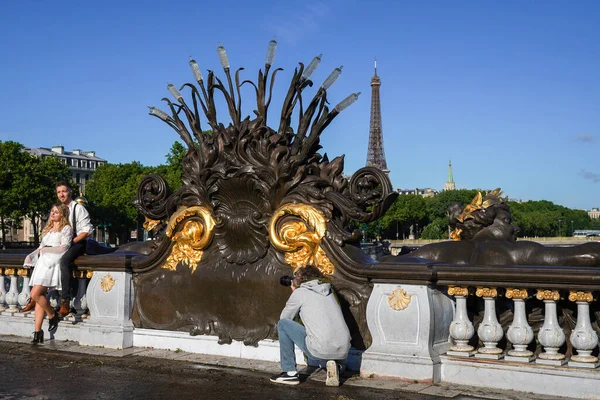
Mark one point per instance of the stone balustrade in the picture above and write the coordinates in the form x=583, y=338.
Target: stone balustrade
x=520, y=335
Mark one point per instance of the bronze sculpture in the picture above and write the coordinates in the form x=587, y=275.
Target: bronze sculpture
x=256, y=203
x=484, y=234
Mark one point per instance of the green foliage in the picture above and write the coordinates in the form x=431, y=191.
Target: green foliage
x=111, y=193
x=27, y=184
x=437, y=229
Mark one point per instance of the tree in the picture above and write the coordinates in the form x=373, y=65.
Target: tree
x=111, y=193
x=13, y=164
x=408, y=210
x=39, y=192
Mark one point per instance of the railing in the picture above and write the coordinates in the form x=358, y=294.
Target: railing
x=530, y=328
x=15, y=290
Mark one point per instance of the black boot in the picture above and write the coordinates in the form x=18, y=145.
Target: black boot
x=53, y=323
x=38, y=337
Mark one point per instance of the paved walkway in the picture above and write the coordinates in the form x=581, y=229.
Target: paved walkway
x=355, y=386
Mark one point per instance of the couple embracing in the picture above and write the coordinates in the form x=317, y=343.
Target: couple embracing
x=63, y=240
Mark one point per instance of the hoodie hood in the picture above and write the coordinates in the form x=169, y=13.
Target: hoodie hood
x=317, y=286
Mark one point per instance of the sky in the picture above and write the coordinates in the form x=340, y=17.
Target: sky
x=508, y=91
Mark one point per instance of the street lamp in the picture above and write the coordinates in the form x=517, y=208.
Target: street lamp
x=397, y=233
x=559, y=221
x=572, y=230
x=417, y=231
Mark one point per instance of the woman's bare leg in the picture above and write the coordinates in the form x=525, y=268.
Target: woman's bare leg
x=38, y=293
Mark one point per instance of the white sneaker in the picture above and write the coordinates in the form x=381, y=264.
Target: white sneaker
x=286, y=379
x=333, y=374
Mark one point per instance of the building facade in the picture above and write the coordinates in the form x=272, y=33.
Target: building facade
x=594, y=213
x=82, y=164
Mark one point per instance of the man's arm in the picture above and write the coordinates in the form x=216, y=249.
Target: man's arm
x=84, y=225
x=292, y=307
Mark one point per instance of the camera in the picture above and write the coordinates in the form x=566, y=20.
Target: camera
x=286, y=280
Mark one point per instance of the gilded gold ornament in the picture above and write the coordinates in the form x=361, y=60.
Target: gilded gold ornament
x=301, y=240
x=543, y=294
x=515, y=293
x=486, y=292
x=150, y=224
x=461, y=291
x=107, y=283
x=581, y=296
x=9, y=271
x=399, y=300
x=89, y=274
x=23, y=271
x=191, y=239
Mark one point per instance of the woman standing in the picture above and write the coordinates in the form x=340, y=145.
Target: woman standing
x=56, y=239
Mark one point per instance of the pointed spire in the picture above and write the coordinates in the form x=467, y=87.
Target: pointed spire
x=450, y=185
x=375, y=74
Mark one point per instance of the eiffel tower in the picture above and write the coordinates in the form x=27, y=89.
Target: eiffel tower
x=376, y=155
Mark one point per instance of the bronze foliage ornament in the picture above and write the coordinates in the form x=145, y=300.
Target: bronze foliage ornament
x=271, y=202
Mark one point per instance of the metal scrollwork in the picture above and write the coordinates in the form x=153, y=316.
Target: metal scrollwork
x=194, y=236
x=152, y=196
x=301, y=239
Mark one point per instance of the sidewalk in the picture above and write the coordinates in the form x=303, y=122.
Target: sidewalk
x=396, y=388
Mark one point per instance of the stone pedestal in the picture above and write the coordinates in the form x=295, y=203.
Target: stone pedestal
x=410, y=329
x=110, y=300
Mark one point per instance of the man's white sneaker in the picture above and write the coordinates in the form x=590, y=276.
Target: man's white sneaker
x=333, y=374
x=286, y=379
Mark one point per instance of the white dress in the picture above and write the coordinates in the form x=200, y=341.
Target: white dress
x=46, y=271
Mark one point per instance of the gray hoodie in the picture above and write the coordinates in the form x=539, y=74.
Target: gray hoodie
x=327, y=335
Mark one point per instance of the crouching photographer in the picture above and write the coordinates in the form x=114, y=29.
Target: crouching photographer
x=323, y=335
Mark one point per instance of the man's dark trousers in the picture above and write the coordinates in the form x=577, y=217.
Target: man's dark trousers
x=67, y=265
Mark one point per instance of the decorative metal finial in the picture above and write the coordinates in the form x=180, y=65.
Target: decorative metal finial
x=271, y=52
x=342, y=105
x=196, y=70
x=223, y=56
x=332, y=77
x=158, y=113
x=174, y=92
x=311, y=67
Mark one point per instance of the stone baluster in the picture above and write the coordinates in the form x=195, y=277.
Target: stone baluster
x=489, y=331
x=461, y=328
x=519, y=332
x=583, y=338
x=25, y=291
x=2, y=291
x=80, y=301
x=12, y=297
x=551, y=335
x=53, y=298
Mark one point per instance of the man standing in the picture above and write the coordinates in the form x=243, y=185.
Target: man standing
x=323, y=335
x=82, y=228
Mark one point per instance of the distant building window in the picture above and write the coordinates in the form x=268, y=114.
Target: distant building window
x=92, y=164
x=64, y=160
x=74, y=162
x=83, y=164
x=77, y=178
x=100, y=163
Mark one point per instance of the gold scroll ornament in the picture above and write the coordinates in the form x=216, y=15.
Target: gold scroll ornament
x=150, y=224
x=193, y=237
x=300, y=239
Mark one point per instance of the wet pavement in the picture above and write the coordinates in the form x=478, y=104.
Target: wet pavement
x=65, y=370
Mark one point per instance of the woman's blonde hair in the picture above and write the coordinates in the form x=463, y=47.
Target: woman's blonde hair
x=62, y=222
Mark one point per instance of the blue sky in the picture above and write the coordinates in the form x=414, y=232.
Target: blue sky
x=509, y=91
